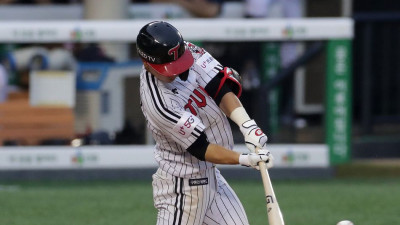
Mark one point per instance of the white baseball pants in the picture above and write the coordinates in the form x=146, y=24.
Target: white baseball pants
x=203, y=199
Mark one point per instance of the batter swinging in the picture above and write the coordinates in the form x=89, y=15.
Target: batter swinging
x=186, y=96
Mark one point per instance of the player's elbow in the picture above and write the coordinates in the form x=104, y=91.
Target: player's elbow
x=199, y=147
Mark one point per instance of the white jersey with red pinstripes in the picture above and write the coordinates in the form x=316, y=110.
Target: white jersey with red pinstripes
x=179, y=111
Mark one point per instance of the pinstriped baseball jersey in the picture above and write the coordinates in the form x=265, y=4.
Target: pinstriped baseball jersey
x=187, y=190
x=179, y=111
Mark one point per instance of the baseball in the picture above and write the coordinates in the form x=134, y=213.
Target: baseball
x=345, y=222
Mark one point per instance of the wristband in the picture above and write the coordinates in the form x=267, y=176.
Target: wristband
x=244, y=160
x=239, y=116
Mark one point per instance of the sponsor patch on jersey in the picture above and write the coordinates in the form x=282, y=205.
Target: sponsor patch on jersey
x=186, y=124
x=198, y=182
x=207, y=62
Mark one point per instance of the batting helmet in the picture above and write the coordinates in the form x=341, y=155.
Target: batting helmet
x=162, y=46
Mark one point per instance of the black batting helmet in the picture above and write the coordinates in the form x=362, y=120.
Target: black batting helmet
x=162, y=46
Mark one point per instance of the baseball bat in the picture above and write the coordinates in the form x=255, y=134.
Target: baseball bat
x=273, y=211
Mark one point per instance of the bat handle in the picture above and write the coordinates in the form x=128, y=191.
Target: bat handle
x=274, y=213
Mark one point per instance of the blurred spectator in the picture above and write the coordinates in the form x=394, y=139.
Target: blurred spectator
x=256, y=8
x=99, y=138
x=128, y=135
x=91, y=53
x=3, y=84
x=198, y=8
x=29, y=2
x=283, y=8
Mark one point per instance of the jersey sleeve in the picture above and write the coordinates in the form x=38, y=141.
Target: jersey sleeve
x=205, y=65
x=165, y=114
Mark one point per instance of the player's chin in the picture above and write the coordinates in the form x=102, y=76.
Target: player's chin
x=167, y=79
x=170, y=79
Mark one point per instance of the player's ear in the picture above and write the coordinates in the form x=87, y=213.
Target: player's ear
x=146, y=64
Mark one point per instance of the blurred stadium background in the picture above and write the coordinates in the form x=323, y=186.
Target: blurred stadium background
x=323, y=85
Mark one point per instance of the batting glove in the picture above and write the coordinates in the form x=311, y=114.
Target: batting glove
x=252, y=159
x=253, y=136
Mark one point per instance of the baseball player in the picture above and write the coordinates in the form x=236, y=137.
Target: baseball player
x=186, y=96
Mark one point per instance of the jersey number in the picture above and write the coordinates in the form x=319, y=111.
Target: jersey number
x=200, y=101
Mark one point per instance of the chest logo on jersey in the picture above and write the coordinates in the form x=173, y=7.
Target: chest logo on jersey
x=196, y=99
x=186, y=124
x=198, y=182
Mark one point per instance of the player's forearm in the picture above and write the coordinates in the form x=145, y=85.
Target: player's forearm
x=220, y=155
x=253, y=135
x=229, y=103
x=233, y=108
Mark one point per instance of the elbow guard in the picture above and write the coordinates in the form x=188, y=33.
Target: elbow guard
x=199, y=147
x=232, y=79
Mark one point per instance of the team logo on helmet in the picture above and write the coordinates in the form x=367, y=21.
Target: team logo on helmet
x=145, y=56
x=174, y=51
